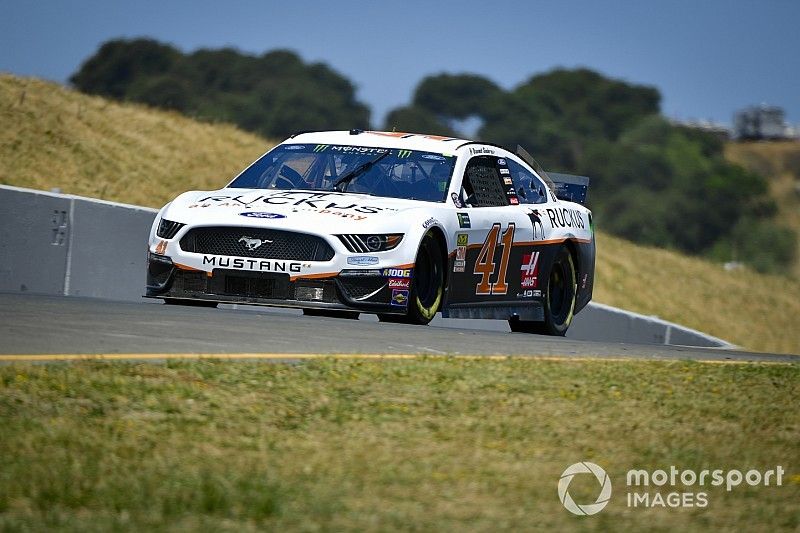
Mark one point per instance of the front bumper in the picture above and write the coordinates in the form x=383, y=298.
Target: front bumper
x=367, y=290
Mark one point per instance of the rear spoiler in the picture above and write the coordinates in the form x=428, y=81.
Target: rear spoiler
x=564, y=186
x=570, y=188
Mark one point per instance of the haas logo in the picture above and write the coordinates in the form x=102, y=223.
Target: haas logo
x=252, y=243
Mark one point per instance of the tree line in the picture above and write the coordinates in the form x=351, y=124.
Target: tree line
x=652, y=182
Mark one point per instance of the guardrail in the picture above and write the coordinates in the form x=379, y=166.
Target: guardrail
x=53, y=243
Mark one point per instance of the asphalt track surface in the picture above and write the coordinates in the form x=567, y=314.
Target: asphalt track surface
x=49, y=328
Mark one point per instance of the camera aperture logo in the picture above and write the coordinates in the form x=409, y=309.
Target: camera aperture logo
x=644, y=488
x=584, y=468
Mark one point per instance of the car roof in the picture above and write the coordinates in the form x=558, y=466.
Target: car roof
x=381, y=139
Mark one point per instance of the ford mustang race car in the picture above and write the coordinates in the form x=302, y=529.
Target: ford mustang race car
x=396, y=224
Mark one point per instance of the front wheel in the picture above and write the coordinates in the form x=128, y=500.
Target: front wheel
x=559, y=300
x=427, y=285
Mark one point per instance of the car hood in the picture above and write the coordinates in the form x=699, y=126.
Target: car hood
x=313, y=210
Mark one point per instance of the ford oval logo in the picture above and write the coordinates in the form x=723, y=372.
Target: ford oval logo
x=260, y=214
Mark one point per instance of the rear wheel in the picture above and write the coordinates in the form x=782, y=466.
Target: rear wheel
x=559, y=300
x=332, y=313
x=427, y=285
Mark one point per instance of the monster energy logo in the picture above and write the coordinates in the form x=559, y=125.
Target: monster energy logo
x=403, y=153
x=320, y=147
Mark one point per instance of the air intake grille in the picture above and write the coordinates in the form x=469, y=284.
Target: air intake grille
x=359, y=287
x=167, y=229
x=189, y=281
x=251, y=284
x=259, y=243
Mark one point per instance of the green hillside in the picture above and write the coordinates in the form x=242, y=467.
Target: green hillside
x=779, y=162
x=129, y=153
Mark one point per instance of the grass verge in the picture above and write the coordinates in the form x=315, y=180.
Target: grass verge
x=423, y=444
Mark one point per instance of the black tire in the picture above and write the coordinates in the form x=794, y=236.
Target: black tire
x=190, y=303
x=427, y=285
x=559, y=300
x=332, y=313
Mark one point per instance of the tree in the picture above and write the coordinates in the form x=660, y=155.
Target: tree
x=119, y=63
x=454, y=96
x=416, y=120
x=274, y=94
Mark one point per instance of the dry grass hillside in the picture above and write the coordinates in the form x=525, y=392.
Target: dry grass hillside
x=56, y=137
x=128, y=153
x=779, y=162
x=753, y=310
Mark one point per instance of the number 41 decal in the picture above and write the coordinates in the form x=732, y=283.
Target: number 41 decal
x=485, y=264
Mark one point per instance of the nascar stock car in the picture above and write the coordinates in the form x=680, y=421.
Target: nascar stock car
x=396, y=224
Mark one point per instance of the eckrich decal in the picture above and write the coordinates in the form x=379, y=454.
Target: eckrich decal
x=397, y=272
x=565, y=218
x=399, y=297
x=530, y=271
x=362, y=260
x=399, y=283
x=463, y=220
x=264, y=265
x=261, y=214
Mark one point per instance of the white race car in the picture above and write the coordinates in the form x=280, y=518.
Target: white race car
x=397, y=224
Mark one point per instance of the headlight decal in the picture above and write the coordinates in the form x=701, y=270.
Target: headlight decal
x=167, y=229
x=360, y=243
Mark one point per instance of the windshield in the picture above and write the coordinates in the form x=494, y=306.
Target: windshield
x=393, y=173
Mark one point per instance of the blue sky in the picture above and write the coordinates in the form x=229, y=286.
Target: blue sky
x=707, y=57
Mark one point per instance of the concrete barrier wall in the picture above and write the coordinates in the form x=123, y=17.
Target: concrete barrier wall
x=599, y=322
x=62, y=244
x=73, y=246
